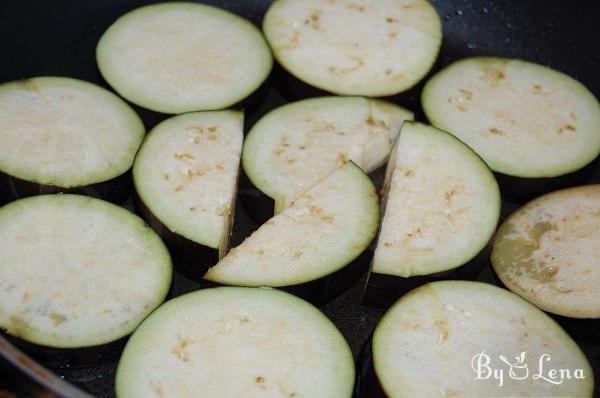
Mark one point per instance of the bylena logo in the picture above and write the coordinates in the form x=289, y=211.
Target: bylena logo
x=519, y=369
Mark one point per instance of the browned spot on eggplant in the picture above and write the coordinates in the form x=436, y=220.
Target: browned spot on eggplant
x=297, y=255
x=466, y=94
x=448, y=195
x=180, y=350
x=224, y=211
x=314, y=18
x=314, y=210
x=496, y=131
x=457, y=102
x=357, y=7
x=452, y=393
x=442, y=325
x=198, y=129
x=546, y=274
x=568, y=127
x=30, y=85
x=409, y=173
x=26, y=296
x=341, y=159
x=327, y=218
x=159, y=392
x=57, y=318
x=184, y=156
x=493, y=74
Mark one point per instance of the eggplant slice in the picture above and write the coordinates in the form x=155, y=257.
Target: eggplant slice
x=182, y=57
x=294, y=146
x=185, y=176
x=76, y=271
x=441, y=206
x=525, y=120
x=60, y=134
x=431, y=341
x=310, y=246
x=548, y=253
x=373, y=48
x=234, y=342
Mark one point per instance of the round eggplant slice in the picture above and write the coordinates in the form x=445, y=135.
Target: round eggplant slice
x=294, y=146
x=525, y=120
x=471, y=339
x=76, y=271
x=313, y=247
x=548, y=253
x=373, y=48
x=65, y=135
x=441, y=207
x=185, y=175
x=182, y=57
x=234, y=342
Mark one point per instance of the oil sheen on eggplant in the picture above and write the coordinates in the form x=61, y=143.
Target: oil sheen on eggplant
x=316, y=247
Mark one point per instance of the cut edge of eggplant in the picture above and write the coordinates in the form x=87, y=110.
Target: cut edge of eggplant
x=322, y=284
x=379, y=115
x=188, y=242
x=385, y=285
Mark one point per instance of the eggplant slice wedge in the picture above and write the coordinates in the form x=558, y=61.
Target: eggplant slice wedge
x=65, y=135
x=294, y=146
x=76, y=271
x=441, y=206
x=185, y=176
x=181, y=57
x=313, y=247
x=234, y=342
x=373, y=48
x=525, y=120
x=548, y=253
x=435, y=340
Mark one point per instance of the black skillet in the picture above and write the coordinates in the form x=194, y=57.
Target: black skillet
x=59, y=37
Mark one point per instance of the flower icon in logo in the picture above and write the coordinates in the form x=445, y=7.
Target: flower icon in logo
x=517, y=370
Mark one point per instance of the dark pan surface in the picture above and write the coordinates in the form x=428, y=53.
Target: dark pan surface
x=59, y=38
